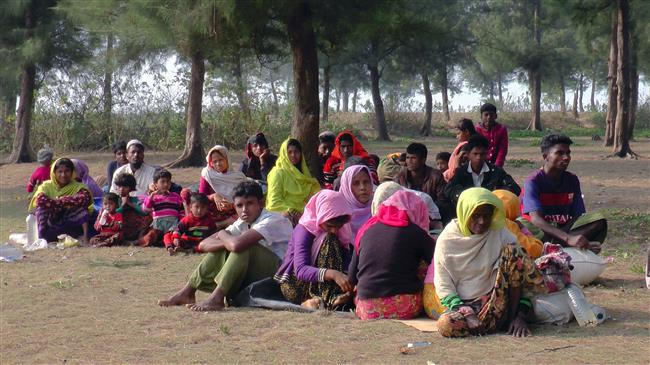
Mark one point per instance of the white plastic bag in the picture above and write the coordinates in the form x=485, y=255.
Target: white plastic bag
x=552, y=308
x=586, y=265
x=9, y=253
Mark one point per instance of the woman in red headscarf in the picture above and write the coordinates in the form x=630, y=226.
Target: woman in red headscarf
x=346, y=145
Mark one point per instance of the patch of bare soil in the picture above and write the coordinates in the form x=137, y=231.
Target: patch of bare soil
x=99, y=305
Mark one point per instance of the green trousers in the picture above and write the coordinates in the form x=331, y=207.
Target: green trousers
x=232, y=271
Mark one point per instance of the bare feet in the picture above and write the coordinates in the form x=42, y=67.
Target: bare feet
x=184, y=296
x=213, y=303
x=313, y=303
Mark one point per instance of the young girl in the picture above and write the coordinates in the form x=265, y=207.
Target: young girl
x=312, y=273
x=109, y=223
x=192, y=229
x=166, y=208
x=356, y=187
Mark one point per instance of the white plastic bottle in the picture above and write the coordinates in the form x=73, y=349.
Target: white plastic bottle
x=32, y=229
x=580, y=307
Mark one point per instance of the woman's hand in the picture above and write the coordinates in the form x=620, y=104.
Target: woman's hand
x=340, y=279
x=470, y=317
x=518, y=327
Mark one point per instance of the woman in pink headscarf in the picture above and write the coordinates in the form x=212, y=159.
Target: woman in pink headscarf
x=312, y=273
x=356, y=187
x=388, y=251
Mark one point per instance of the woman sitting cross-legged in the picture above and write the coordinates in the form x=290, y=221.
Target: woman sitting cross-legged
x=62, y=205
x=482, y=276
x=389, y=249
x=290, y=185
x=218, y=182
x=312, y=273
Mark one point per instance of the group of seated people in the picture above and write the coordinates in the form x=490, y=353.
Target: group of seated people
x=364, y=235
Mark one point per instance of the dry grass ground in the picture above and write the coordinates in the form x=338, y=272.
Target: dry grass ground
x=98, y=305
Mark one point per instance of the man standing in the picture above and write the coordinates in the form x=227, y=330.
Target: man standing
x=142, y=172
x=553, y=204
x=417, y=175
x=496, y=134
x=479, y=172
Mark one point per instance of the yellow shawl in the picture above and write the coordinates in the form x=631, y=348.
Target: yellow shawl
x=52, y=190
x=289, y=188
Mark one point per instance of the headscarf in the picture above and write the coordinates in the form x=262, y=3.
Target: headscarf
x=400, y=209
x=357, y=147
x=360, y=211
x=472, y=198
x=81, y=171
x=466, y=263
x=383, y=192
x=285, y=177
x=323, y=206
x=510, y=203
x=257, y=138
x=223, y=183
x=44, y=154
x=52, y=190
x=389, y=167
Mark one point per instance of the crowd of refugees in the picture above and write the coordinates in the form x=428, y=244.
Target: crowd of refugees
x=363, y=235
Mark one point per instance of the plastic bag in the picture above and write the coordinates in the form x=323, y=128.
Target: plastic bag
x=587, y=266
x=9, y=253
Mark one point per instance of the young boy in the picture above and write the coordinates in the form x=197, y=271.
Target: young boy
x=247, y=251
x=42, y=173
x=109, y=223
x=552, y=201
x=119, y=150
x=496, y=134
x=442, y=161
x=192, y=229
x=135, y=219
x=166, y=208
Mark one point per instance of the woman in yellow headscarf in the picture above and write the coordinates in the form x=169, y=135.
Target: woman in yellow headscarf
x=482, y=276
x=290, y=185
x=62, y=204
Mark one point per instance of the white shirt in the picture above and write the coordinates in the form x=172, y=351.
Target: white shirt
x=434, y=212
x=274, y=227
x=143, y=178
x=478, y=178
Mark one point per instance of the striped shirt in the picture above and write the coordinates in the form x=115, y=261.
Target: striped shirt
x=164, y=205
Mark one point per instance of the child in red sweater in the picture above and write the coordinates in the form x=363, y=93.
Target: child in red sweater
x=42, y=173
x=192, y=229
x=109, y=223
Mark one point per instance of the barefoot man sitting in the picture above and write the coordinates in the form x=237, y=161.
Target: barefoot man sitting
x=248, y=250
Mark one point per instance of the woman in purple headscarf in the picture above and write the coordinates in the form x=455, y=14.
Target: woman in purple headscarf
x=83, y=176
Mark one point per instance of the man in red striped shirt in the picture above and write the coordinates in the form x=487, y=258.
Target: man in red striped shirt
x=552, y=200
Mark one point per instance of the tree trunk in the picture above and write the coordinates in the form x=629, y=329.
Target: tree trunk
x=108, y=85
x=380, y=118
x=575, y=101
x=354, y=100
x=612, y=88
x=193, y=154
x=581, y=85
x=444, y=89
x=21, y=150
x=500, y=89
x=305, y=79
x=428, y=105
x=346, y=96
x=621, y=136
x=240, y=86
x=326, y=91
x=276, y=104
x=562, y=94
x=535, y=76
x=338, y=100
x=592, y=98
x=634, y=87
x=491, y=90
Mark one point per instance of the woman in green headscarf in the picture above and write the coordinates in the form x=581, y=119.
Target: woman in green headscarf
x=481, y=274
x=62, y=205
x=290, y=185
